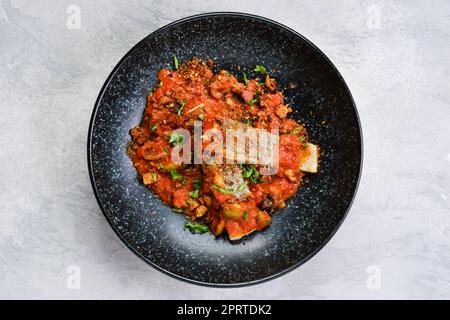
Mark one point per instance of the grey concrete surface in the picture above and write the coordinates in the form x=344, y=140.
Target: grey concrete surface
x=394, y=55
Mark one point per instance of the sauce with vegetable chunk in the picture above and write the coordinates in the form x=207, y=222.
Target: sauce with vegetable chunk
x=225, y=198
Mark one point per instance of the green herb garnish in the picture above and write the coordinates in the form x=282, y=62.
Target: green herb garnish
x=196, y=227
x=177, y=210
x=176, y=138
x=194, y=194
x=250, y=172
x=176, y=63
x=180, y=110
x=153, y=128
x=160, y=165
x=224, y=191
x=255, y=99
x=166, y=150
x=245, y=215
x=198, y=184
x=297, y=130
x=201, y=116
x=260, y=68
x=242, y=186
x=175, y=175
x=154, y=176
x=244, y=76
x=301, y=139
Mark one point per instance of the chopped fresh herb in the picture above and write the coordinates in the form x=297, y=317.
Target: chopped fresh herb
x=129, y=148
x=242, y=186
x=245, y=215
x=225, y=191
x=176, y=63
x=194, y=194
x=301, y=139
x=201, y=116
x=160, y=165
x=166, y=150
x=180, y=110
x=250, y=172
x=196, y=227
x=260, y=68
x=154, y=177
x=176, y=138
x=153, y=128
x=244, y=76
x=297, y=130
x=248, y=121
x=175, y=175
x=255, y=99
x=177, y=210
x=183, y=181
x=198, y=184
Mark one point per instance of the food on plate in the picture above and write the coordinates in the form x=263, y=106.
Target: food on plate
x=229, y=196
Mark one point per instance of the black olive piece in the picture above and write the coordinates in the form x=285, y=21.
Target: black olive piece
x=266, y=204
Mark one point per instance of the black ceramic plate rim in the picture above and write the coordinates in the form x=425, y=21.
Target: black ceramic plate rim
x=91, y=171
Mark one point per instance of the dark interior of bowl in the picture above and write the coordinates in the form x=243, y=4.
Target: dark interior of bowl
x=321, y=101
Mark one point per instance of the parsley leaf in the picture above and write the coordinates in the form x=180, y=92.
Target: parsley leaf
x=196, y=227
x=176, y=138
x=194, y=194
x=224, y=191
x=175, y=175
x=180, y=111
x=198, y=184
x=250, y=172
x=176, y=63
x=245, y=215
x=260, y=68
x=201, y=116
x=153, y=128
x=244, y=76
x=255, y=99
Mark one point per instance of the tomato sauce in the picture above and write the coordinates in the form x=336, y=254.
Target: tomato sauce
x=195, y=93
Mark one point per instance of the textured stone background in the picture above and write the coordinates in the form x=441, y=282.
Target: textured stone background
x=394, y=57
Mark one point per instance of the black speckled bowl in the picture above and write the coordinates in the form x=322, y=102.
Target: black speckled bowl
x=321, y=101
